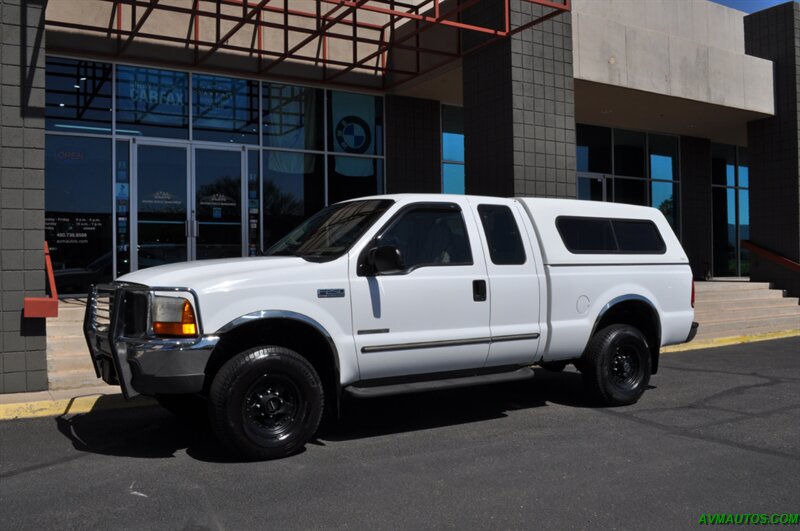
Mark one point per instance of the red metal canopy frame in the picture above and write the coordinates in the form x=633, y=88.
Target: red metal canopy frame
x=300, y=30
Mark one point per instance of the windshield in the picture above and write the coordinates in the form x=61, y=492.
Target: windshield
x=329, y=233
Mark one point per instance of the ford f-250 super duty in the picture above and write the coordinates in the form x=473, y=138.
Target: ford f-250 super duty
x=396, y=294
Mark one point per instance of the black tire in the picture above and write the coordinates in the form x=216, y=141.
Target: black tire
x=616, y=365
x=553, y=366
x=191, y=407
x=266, y=403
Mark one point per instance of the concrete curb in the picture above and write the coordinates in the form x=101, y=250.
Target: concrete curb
x=727, y=341
x=73, y=405
x=69, y=406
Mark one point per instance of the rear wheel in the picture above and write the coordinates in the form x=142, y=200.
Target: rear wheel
x=266, y=402
x=617, y=365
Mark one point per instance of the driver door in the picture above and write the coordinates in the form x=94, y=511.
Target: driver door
x=433, y=314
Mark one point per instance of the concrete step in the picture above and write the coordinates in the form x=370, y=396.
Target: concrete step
x=63, y=364
x=746, y=326
x=71, y=313
x=728, y=333
x=709, y=286
x=57, y=328
x=709, y=315
x=724, y=306
x=738, y=295
x=75, y=379
x=66, y=345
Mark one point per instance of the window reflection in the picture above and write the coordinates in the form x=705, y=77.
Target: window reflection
x=152, y=102
x=724, y=223
x=629, y=153
x=663, y=157
x=78, y=96
x=224, y=109
x=292, y=117
x=593, y=148
x=662, y=197
x=453, y=174
x=294, y=189
x=452, y=178
x=723, y=164
x=631, y=191
x=350, y=177
x=78, y=210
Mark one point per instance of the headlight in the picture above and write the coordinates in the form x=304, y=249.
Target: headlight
x=173, y=317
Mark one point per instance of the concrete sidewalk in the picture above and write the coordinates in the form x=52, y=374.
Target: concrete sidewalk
x=66, y=402
x=83, y=400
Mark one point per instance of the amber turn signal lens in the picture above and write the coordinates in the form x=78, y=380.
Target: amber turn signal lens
x=187, y=326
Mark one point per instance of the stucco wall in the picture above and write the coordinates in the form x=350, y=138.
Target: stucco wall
x=691, y=49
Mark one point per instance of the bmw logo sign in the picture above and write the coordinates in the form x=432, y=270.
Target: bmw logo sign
x=352, y=134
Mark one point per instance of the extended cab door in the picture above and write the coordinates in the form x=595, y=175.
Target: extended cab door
x=514, y=283
x=431, y=315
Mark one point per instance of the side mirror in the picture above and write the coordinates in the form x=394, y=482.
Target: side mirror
x=386, y=259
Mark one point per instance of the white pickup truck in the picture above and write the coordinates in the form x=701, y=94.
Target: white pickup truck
x=397, y=294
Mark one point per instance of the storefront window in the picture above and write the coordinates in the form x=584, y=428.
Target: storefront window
x=292, y=117
x=78, y=96
x=662, y=197
x=624, y=174
x=723, y=165
x=167, y=186
x=663, y=157
x=453, y=150
x=629, y=153
x=152, y=102
x=730, y=180
x=350, y=177
x=78, y=220
x=224, y=109
x=593, y=148
x=294, y=189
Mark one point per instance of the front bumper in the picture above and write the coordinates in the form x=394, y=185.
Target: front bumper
x=137, y=363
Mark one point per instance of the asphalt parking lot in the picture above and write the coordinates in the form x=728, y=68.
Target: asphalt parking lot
x=719, y=432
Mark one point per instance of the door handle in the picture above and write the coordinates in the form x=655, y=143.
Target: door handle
x=478, y=290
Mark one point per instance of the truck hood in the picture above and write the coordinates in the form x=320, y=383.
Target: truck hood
x=215, y=275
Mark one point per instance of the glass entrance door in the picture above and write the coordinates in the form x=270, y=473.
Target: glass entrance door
x=187, y=204
x=218, y=229
x=161, y=214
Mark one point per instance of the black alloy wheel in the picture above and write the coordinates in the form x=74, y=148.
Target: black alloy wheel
x=266, y=402
x=616, y=365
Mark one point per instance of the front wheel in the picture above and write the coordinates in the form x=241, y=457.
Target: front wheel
x=616, y=365
x=266, y=402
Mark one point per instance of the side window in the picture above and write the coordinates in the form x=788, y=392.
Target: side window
x=638, y=237
x=587, y=235
x=430, y=237
x=502, y=235
x=610, y=236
